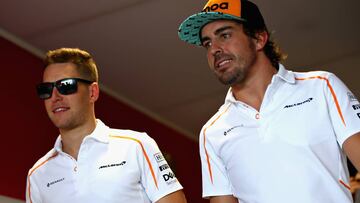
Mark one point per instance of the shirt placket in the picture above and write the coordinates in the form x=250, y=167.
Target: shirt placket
x=81, y=171
x=262, y=117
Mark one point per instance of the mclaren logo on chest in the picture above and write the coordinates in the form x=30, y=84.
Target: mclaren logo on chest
x=113, y=165
x=299, y=103
x=215, y=7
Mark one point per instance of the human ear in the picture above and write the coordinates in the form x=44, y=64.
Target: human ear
x=261, y=39
x=94, y=92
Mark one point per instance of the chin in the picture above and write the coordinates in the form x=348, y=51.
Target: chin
x=60, y=124
x=232, y=79
x=227, y=80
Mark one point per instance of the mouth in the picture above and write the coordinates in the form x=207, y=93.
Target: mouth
x=222, y=62
x=60, y=109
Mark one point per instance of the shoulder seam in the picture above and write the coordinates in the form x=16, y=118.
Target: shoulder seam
x=42, y=163
x=144, y=153
x=204, y=141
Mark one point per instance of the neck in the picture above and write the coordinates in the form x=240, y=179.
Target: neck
x=72, y=138
x=252, y=90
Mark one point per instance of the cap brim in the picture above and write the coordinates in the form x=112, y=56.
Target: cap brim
x=189, y=30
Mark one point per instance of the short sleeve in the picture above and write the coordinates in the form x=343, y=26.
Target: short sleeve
x=214, y=177
x=32, y=192
x=157, y=177
x=344, y=109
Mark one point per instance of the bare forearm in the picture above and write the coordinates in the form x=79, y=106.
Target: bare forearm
x=352, y=150
x=223, y=199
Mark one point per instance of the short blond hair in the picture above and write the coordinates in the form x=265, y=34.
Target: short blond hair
x=80, y=58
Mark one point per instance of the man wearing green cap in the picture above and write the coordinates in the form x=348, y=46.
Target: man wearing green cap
x=281, y=136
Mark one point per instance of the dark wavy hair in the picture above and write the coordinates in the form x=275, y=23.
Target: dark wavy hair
x=271, y=49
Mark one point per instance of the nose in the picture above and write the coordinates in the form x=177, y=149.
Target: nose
x=215, y=48
x=55, y=96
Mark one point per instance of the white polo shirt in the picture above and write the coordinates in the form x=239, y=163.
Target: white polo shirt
x=289, y=151
x=112, y=166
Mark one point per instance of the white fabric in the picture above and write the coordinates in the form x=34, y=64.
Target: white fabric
x=289, y=151
x=112, y=166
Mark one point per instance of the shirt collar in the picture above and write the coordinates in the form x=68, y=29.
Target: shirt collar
x=283, y=74
x=100, y=134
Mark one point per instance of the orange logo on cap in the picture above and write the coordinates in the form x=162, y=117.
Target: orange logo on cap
x=231, y=7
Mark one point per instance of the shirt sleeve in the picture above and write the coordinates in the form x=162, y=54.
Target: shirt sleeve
x=344, y=109
x=157, y=177
x=32, y=192
x=215, y=180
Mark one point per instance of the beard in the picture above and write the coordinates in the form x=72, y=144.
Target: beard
x=232, y=77
x=241, y=68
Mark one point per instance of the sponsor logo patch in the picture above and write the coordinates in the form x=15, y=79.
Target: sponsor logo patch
x=54, y=182
x=298, y=104
x=356, y=106
x=169, y=178
x=232, y=128
x=351, y=96
x=164, y=167
x=112, y=165
x=214, y=7
x=159, y=157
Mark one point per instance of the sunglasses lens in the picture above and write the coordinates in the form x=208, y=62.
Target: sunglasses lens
x=44, y=90
x=67, y=86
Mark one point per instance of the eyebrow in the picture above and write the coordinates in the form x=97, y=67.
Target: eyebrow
x=217, y=32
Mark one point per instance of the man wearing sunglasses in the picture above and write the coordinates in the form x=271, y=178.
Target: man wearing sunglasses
x=92, y=163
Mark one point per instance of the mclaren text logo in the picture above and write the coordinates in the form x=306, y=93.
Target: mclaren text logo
x=215, y=7
x=54, y=182
x=112, y=165
x=298, y=104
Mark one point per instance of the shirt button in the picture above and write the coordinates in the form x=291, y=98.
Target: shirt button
x=75, y=168
x=257, y=116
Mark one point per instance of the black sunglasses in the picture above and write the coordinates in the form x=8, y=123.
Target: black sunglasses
x=64, y=86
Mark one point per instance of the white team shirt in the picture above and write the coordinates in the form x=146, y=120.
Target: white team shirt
x=113, y=166
x=289, y=151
